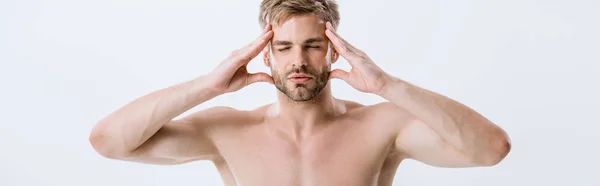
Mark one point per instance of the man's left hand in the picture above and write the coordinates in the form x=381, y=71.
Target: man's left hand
x=365, y=75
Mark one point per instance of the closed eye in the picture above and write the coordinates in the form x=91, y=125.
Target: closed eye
x=283, y=49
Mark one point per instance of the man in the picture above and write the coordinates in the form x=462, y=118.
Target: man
x=306, y=137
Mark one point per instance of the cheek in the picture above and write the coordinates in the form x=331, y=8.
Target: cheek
x=272, y=60
x=320, y=59
x=280, y=59
x=321, y=53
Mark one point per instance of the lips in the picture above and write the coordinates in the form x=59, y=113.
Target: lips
x=300, y=78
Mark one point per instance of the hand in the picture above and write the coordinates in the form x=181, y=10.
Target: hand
x=365, y=75
x=231, y=75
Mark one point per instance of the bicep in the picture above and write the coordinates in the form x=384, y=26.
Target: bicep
x=418, y=141
x=181, y=141
x=175, y=143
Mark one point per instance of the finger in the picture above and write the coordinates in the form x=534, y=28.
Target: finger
x=339, y=74
x=329, y=26
x=333, y=37
x=266, y=29
x=259, y=77
x=258, y=38
x=262, y=33
x=340, y=46
x=337, y=44
x=349, y=46
x=251, y=51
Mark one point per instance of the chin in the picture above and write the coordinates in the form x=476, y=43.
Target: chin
x=301, y=94
x=298, y=93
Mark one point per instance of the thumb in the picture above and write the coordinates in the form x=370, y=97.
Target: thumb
x=259, y=77
x=339, y=74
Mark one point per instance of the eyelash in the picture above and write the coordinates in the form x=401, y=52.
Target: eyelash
x=315, y=47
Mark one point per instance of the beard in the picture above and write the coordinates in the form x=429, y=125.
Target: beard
x=301, y=92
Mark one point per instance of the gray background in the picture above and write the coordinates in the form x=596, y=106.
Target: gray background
x=530, y=66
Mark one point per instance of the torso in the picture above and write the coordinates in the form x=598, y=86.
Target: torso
x=351, y=149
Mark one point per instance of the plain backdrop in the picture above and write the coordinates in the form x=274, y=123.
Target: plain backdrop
x=530, y=66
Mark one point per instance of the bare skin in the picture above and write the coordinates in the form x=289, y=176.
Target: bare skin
x=307, y=137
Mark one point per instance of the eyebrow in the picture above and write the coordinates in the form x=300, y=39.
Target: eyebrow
x=281, y=43
x=308, y=41
x=313, y=40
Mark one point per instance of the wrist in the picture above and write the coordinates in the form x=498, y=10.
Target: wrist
x=203, y=87
x=392, y=86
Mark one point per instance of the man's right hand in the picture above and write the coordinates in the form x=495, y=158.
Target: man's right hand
x=231, y=75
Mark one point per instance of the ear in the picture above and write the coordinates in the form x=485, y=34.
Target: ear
x=334, y=55
x=266, y=56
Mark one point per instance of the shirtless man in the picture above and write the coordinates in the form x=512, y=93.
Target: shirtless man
x=306, y=137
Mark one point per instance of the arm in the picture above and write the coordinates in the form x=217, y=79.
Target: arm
x=144, y=130
x=439, y=131
x=443, y=132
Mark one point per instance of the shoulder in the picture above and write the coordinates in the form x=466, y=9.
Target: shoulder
x=380, y=109
x=216, y=113
x=350, y=105
x=219, y=117
x=385, y=114
x=224, y=116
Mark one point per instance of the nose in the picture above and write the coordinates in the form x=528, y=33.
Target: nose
x=300, y=58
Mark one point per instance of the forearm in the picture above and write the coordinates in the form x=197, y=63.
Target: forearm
x=131, y=125
x=461, y=126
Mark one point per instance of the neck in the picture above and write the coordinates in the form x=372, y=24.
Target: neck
x=303, y=116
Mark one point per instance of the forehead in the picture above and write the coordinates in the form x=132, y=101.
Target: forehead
x=298, y=28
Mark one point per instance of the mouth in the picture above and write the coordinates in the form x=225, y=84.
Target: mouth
x=300, y=78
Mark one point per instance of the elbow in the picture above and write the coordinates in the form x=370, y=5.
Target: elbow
x=102, y=143
x=99, y=144
x=497, y=151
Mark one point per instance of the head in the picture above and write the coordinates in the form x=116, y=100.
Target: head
x=299, y=54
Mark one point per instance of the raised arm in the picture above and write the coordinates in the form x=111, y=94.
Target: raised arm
x=442, y=132
x=435, y=130
x=144, y=130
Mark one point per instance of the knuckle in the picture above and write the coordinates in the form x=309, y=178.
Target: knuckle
x=361, y=53
x=247, y=58
x=345, y=49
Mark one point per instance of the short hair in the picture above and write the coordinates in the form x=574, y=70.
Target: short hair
x=276, y=12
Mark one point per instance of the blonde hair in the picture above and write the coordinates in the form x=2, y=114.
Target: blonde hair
x=276, y=12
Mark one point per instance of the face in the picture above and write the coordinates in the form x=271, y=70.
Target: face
x=300, y=57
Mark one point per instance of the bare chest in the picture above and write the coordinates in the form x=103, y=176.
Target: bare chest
x=350, y=154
